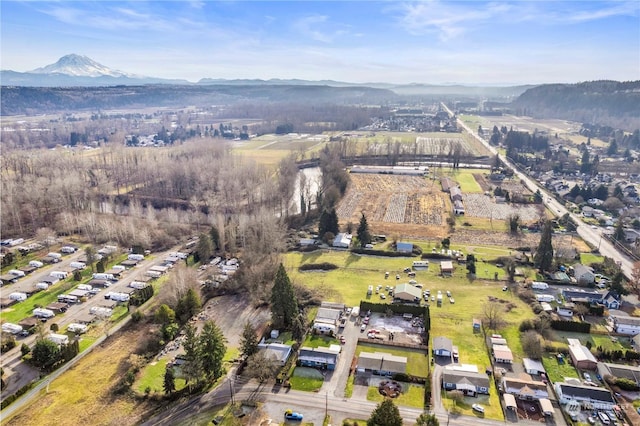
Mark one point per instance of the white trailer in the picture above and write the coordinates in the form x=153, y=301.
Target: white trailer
x=42, y=286
x=58, y=339
x=36, y=264
x=101, y=311
x=85, y=287
x=43, y=313
x=137, y=257
x=19, y=296
x=545, y=298
x=17, y=272
x=153, y=274
x=54, y=255
x=118, y=297
x=103, y=276
x=61, y=275
x=67, y=298
x=77, y=328
x=78, y=265
x=138, y=285
x=7, y=327
x=68, y=249
x=538, y=285
x=420, y=264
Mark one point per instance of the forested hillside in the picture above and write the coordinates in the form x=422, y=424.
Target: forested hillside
x=40, y=100
x=611, y=103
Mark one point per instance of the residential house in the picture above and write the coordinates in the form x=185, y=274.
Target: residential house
x=458, y=207
x=531, y=366
x=611, y=300
x=620, y=371
x=455, y=193
x=582, y=296
x=626, y=325
x=502, y=354
x=328, y=316
x=342, y=240
x=581, y=356
x=381, y=363
x=407, y=292
x=583, y=274
x=442, y=346
x=631, y=235
x=469, y=382
x=524, y=389
x=446, y=268
x=588, y=396
x=404, y=247
x=320, y=357
x=277, y=352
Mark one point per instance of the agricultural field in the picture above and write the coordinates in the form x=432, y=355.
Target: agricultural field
x=479, y=205
x=394, y=199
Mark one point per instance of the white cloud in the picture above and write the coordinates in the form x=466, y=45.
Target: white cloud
x=449, y=20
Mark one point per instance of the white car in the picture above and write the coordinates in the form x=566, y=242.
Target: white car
x=477, y=407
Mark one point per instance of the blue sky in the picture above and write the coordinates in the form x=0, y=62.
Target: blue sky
x=360, y=41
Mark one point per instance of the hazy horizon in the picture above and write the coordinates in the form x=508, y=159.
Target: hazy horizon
x=430, y=42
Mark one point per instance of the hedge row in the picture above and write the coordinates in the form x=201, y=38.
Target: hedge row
x=326, y=266
x=578, y=327
x=382, y=253
x=11, y=398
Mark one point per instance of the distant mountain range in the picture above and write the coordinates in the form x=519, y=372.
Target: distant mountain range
x=81, y=71
x=70, y=84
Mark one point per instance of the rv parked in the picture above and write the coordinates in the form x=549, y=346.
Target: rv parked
x=118, y=297
x=537, y=285
x=54, y=255
x=61, y=275
x=36, y=264
x=78, y=265
x=7, y=327
x=137, y=257
x=77, y=328
x=68, y=249
x=19, y=296
x=43, y=313
x=103, y=276
x=42, y=286
x=17, y=273
x=85, y=287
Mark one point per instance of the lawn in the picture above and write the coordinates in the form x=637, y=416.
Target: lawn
x=22, y=310
x=317, y=340
x=596, y=340
x=417, y=360
x=491, y=404
x=589, y=258
x=467, y=182
x=306, y=379
x=557, y=372
x=413, y=397
x=481, y=223
x=152, y=376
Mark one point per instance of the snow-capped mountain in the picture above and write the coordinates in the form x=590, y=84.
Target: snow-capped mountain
x=80, y=66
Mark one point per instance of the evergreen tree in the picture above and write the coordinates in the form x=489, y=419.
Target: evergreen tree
x=212, y=350
x=543, y=258
x=45, y=353
x=188, y=305
x=204, y=248
x=248, y=341
x=385, y=414
x=284, y=308
x=192, y=369
x=364, y=237
x=215, y=238
x=618, y=233
x=169, y=384
x=585, y=167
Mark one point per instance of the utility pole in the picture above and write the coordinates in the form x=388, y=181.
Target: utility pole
x=326, y=404
x=231, y=388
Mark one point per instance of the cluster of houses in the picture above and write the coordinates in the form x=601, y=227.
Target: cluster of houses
x=455, y=194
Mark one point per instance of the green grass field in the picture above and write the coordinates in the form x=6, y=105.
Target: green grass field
x=306, y=379
x=413, y=397
x=22, y=310
x=317, y=340
x=589, y=258
x=152, y=376
x=557, y=372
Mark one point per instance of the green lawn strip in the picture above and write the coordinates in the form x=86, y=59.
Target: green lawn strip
x=557, y=372
x=589, y=258
x=417, y=360
x=85, y=342
x=412, y=397
x=348, y=391
x=314, y=341
x=152, y=376
x=481, y=223
x=22, y=310
x=467, y=181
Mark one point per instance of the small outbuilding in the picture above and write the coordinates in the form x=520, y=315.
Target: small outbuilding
x=404, y=247
x=407, y=292
x=442, y=346
x=446, y=268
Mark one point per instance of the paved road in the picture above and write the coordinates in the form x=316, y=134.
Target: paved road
x=593, y=236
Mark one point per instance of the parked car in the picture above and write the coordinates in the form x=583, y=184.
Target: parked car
x=477, y=407
x=363, y=327
x=587, y=376
x=292, y=415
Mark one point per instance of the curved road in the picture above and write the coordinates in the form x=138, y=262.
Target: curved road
x=593, y=236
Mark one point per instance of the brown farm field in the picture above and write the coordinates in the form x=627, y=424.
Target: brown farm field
x=416, y=207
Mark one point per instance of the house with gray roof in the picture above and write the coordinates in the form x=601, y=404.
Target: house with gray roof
x=381, y=363
x=442, y=346
x=469, y=382
x=596, y=397
x=583, y=274
x=620, y=371
x=524, y=389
